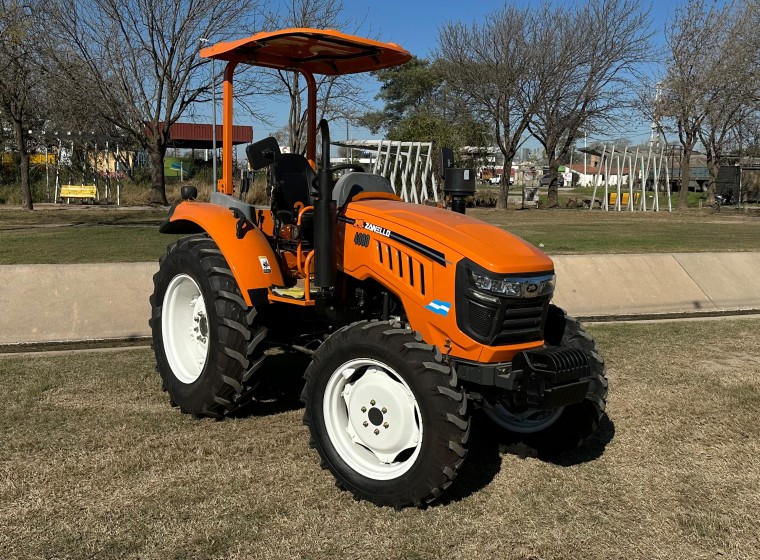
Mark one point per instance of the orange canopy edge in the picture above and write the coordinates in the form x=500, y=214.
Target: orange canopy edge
x=315, y=51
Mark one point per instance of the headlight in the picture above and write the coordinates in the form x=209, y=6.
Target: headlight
x=514, y=287
x=497, y=286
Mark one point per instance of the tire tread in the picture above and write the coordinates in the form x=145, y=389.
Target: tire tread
x=238, y=350
x=451, y=402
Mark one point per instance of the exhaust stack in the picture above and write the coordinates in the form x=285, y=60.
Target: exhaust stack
x=324, y=219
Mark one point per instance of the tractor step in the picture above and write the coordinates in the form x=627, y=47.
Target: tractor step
x=294, y=294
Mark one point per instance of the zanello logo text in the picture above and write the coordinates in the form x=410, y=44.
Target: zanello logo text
x=378, y=229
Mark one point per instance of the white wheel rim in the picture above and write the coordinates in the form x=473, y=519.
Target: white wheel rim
x=372, y=419
x=525, y=422
x=185, y=328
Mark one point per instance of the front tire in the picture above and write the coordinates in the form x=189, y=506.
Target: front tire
x=206, y=339
x=551, y=432
x=386, y=414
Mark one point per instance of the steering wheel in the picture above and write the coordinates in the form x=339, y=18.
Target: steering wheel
x=354, y=166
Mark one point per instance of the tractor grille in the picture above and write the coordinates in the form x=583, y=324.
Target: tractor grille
x=508, y=322
x=522, y=322
x=481, y=318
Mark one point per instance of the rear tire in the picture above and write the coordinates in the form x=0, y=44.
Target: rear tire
x=206, y=339
x=386, y=414
x=565, y=428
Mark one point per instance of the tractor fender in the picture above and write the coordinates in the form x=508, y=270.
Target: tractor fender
x=251, y=259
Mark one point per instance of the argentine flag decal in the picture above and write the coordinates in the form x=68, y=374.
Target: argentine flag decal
x=440, y=307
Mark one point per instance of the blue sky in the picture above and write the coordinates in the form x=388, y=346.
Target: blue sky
x=414, y=25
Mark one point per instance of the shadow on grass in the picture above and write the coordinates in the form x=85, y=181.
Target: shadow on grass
x=481, y=466
x=488, y=444
x=280, y=388
x=591, y=449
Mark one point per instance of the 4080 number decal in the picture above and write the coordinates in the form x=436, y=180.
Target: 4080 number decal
x=361, y=239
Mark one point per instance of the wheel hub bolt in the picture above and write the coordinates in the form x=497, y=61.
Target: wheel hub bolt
x=386, y=425
x=366, y=423
x=384, y=410
x=372, y=402
x=364, y=409
x=377, y=431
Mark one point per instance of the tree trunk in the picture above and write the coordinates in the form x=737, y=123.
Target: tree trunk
x=158, y=187
x=687, y=141
x=503, y=200
x=26, y=188
x=295, y=114
x=683, y=191
x=713, y=168
x=553, y=194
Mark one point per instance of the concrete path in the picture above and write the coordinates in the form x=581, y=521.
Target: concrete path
x=598, y=285
x=70, y=302
x=50, y=303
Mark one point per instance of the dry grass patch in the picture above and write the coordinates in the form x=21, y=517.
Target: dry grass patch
x=95, y=464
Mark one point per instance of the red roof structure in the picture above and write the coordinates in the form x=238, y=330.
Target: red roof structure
x=198, y=136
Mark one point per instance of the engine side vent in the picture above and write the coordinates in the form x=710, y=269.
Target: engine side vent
x=401, y=264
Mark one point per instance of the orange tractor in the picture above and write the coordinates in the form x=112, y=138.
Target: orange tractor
x=413, y=316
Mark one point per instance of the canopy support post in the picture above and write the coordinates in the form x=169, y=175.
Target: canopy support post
x=311, y=120
x=225, y=184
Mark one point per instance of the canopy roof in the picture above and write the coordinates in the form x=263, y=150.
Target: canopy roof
x=316, y=51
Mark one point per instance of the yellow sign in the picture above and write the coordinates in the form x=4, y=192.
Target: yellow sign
x=78, y=191
x=623, y=199
x=39, y=159
x=34, y=159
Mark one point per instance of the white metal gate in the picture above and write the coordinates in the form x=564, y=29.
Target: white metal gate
x=407, y=165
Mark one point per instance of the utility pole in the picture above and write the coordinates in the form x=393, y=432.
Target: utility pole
x=585, y=138
x=350, y=150
x=213, y=118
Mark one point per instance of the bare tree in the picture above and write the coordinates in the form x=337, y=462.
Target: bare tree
x=587, y=57
x=142, y=61
x=691, y=90
x=337, y=96
x=491, y=65
x=733, y=91
x=21, y=80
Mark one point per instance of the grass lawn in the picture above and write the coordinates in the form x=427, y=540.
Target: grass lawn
x=81, y=234
x=96, y=234
x=83, y=244
x=94, y=463
x=583, y=231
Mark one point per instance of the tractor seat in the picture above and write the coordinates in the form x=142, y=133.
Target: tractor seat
x=293, y=183
x=351, y=184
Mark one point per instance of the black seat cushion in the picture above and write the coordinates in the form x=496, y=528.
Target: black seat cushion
x=352, y=184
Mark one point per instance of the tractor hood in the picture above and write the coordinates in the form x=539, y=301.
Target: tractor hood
x=448, y=232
